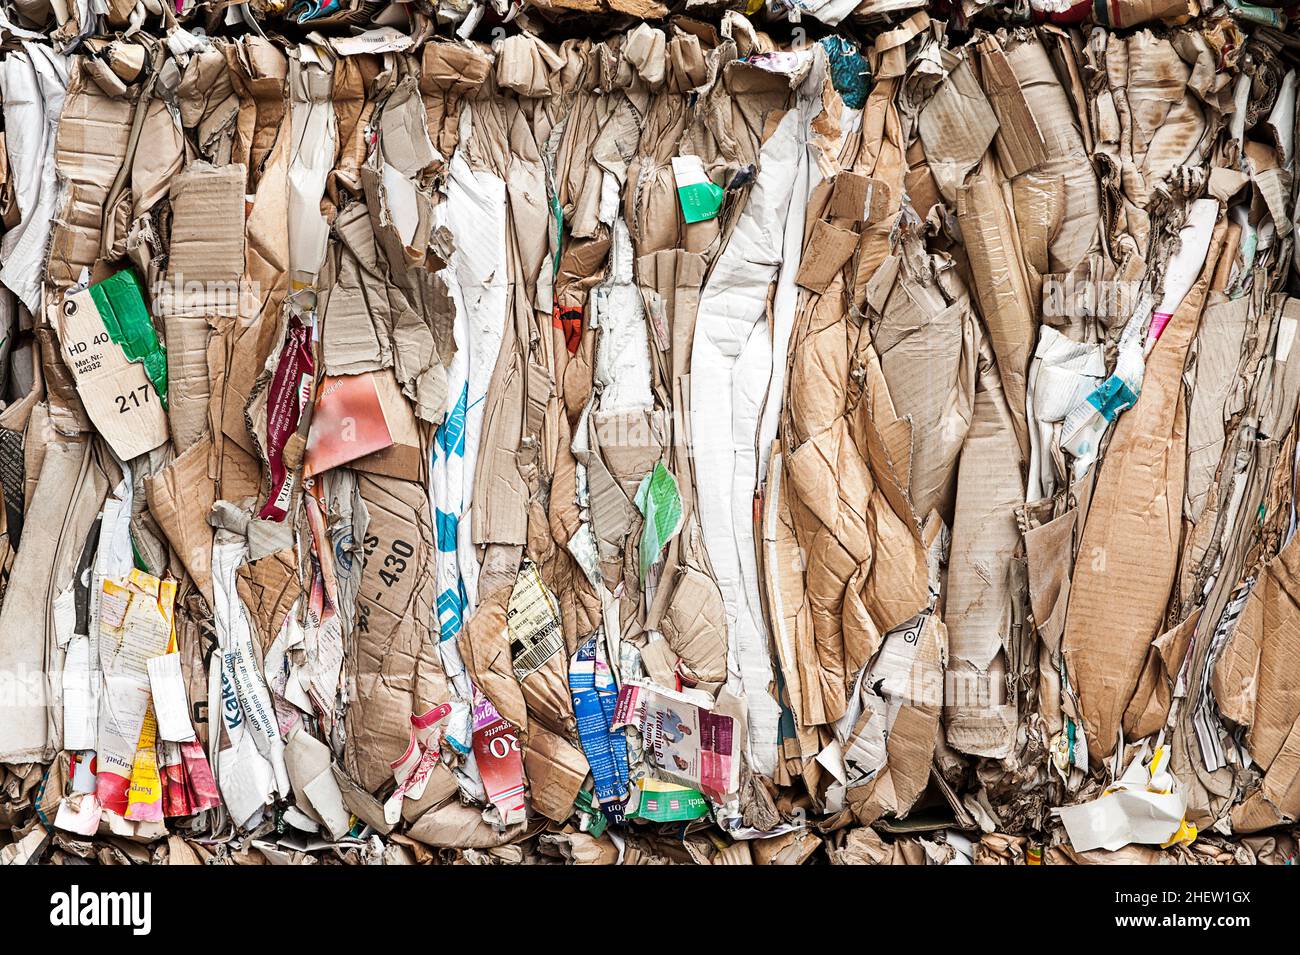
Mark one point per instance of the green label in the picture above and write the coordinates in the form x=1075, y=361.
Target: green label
x=120, y=302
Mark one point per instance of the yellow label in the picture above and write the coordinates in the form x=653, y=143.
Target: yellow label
x=144, y=798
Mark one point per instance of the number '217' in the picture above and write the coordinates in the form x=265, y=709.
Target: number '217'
x=132, y=399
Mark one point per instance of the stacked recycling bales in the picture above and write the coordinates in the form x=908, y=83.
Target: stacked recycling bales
x=432, y=435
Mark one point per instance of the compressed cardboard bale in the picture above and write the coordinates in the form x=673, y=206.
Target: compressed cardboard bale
x=683, y=441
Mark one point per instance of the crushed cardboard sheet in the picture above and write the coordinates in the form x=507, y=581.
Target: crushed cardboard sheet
x=861, y=434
